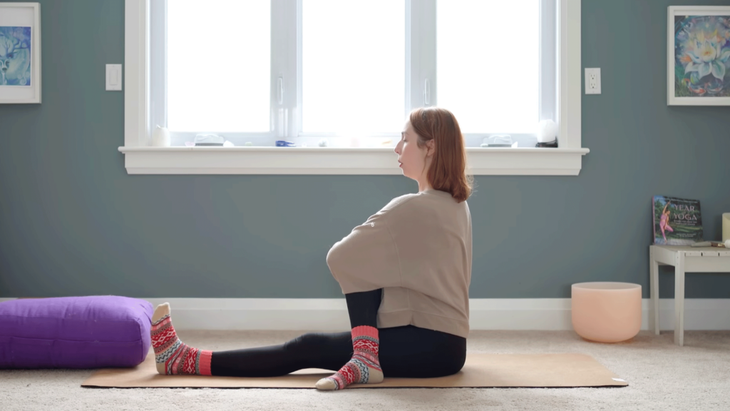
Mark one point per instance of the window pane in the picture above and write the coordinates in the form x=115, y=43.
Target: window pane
x=218, y=54
x=353, y=66
x=487, y=63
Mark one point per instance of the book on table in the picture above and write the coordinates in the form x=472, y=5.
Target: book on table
x=709, y=244
x=677, y=221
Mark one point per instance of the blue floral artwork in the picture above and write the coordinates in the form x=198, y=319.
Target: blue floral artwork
x=702, y=56
x=15, y=52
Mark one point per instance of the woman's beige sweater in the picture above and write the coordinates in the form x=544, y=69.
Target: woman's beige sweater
x=418, y=250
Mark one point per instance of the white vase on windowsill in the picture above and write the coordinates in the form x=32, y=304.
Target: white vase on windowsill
x=161, y=137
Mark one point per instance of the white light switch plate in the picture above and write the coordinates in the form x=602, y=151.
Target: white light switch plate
x=593, y=81
x=113, y=77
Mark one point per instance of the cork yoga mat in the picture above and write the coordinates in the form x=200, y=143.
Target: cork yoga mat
x=480, y=370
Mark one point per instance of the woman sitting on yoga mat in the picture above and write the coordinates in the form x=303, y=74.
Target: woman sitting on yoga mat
x=405, y=274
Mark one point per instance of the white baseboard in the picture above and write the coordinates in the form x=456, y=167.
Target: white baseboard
x=330, y=314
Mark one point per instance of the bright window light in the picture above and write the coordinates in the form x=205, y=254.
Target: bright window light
x=488, y=63
x=353, y=66
x=218, y=65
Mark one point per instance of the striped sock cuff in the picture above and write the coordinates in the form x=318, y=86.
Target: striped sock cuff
x=365, y=331
x=204, y=364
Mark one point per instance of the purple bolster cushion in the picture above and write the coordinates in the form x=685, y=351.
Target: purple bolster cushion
x=74, y=332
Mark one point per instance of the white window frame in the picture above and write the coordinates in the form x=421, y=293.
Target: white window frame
x=141, y=158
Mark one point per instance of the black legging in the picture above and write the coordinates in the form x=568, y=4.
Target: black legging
x=407, y=351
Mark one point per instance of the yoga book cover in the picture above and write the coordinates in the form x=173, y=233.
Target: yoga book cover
x=677, y=221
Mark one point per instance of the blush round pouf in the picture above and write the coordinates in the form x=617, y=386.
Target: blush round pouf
x=606, y=311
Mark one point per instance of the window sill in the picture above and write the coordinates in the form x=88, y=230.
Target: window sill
x=339, y=161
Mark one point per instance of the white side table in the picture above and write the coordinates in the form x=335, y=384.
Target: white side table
x=684, y=259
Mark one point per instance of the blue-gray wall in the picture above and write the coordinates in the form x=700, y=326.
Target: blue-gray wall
x=72, y=222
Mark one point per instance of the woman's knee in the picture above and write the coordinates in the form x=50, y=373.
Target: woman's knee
x=319, y=350
x=316, y=341
x=303, y=341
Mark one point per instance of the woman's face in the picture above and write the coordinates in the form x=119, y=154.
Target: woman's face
x=412, y=159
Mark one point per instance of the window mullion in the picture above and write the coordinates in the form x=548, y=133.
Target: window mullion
x=296, y=59
x=158, y=63
x=283, y=67
x=568, y=89
x=548, y=52
x=409, y=69
x=422, y=52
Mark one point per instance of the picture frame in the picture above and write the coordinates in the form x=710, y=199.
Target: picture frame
x=698, y=55
x=20, y=53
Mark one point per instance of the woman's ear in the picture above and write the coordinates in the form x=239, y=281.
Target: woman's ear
x=431, y=145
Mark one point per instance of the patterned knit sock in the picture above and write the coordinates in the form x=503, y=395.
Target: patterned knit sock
x=363, y=368
x=171, y=355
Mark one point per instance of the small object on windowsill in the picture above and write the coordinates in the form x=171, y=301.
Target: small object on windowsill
x=513, y=145
x=504, y=140
x=283, y=143
x=161, y=137
x=547, y=134
x=550, y=144
x=248, y=144
x=720, y=244
x=208, y=140
x=323, y=142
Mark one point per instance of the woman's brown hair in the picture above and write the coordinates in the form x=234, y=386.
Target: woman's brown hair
x=448, y=165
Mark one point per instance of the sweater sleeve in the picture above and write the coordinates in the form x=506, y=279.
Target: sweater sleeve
x=367, y=259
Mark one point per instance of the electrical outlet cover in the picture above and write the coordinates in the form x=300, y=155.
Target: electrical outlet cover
x=593, y=80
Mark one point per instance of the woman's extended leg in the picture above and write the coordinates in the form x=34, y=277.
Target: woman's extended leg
x=313, y=350
x=357, y=349
x=405, y=352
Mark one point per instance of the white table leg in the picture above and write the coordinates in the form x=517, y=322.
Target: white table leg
x=654, y=290
x=679, y=300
